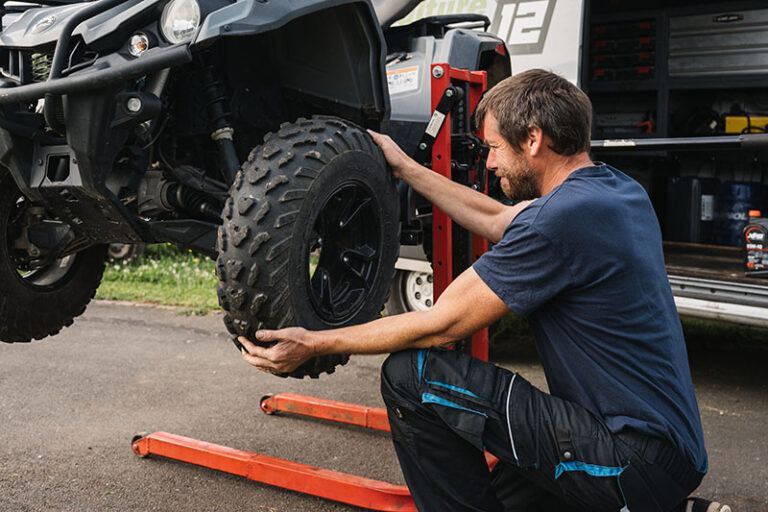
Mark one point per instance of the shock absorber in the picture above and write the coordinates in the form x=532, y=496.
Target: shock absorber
x=220, y=121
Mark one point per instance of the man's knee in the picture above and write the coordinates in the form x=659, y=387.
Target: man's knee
x=398, y=373
x=398, y=367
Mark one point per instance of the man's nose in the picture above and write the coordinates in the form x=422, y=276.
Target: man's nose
x=490, y=161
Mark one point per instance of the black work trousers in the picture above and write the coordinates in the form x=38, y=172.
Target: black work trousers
x=445, y=408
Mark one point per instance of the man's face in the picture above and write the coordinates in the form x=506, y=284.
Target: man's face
x=518, y=177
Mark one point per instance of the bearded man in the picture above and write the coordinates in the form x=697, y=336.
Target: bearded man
x=580, y=256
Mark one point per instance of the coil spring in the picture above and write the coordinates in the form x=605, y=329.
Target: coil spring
x=41, y=66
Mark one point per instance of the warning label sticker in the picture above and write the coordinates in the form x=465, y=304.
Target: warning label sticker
x=403, y=80
x=435, y=123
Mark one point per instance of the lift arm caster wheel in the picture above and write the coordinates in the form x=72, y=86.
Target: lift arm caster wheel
x=140, y=444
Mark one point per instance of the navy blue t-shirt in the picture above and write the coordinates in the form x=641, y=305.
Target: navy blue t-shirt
x=585, y=265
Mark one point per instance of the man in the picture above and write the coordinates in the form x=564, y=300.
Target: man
x=621, y=429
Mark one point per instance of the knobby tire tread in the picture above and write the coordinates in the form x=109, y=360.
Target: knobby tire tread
x=255, y=238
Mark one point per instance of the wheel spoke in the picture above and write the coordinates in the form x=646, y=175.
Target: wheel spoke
x=364, y=252
x=323, y=288
x=326, y=224
x=345, y=221
x=347, y=202
x=355, y=274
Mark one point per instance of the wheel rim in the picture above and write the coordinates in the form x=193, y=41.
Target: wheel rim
x=344, y=252
x=47, y=277
x=119, y=251
x=417, y=291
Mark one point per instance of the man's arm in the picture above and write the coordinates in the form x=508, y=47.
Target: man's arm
x=473, y=210
x=466, y=306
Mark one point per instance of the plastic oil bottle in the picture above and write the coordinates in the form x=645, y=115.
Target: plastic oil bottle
x=756, y=245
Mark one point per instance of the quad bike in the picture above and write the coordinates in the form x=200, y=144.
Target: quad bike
x=234, y=128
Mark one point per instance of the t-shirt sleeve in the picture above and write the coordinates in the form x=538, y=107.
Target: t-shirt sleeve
x=524, y=269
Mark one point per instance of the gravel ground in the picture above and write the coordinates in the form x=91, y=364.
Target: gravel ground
x=70, y=405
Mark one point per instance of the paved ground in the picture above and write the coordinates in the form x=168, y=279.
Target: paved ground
x=70, y=405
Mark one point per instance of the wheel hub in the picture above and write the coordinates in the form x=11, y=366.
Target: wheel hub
x=344, y=252
x=34, y=267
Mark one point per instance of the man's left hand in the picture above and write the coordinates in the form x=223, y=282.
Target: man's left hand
x=292, y=348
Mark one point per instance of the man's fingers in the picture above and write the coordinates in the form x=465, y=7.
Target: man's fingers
x=245, y=342
x=261, y=352
x=280, y=357
x=259, y=361
x=267, y=335
x=379, y=138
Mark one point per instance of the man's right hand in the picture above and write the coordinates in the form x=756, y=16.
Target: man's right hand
x=473, y=210
x=396, y=157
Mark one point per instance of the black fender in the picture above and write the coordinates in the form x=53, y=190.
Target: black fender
x=331, y=50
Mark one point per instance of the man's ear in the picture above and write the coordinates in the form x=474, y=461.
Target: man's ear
x=535, y=140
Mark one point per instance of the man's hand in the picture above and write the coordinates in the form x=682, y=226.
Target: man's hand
x=475, y=211
x=396, y=157
x=294, y=346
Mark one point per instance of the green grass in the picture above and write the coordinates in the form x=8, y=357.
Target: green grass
x=164, y=275
x=168, y=275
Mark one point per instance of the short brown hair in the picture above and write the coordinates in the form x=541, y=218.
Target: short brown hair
x=544, y=99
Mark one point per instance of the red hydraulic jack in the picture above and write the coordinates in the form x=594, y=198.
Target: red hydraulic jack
x=448, y=85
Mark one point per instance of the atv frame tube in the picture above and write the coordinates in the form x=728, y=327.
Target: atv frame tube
x=62, y=46
x=111, y=71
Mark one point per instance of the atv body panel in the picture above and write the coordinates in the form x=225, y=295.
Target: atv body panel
x=310, y=58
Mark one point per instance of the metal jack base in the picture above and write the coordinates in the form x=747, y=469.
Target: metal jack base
x=332, y=485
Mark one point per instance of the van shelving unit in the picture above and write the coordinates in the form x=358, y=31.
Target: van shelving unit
x=707, y=280
x=665, y=86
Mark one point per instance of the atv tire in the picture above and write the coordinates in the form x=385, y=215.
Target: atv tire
x=39, y=303
x=316, y=193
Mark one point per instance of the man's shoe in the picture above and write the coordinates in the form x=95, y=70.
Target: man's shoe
x=702, y=505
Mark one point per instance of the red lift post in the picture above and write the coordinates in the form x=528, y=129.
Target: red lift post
x=333, y=485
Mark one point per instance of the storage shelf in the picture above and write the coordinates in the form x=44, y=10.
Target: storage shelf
x=746, y=141
x=620, y=86
x=714, y=262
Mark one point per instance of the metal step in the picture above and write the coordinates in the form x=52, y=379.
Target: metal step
x=745, y=304
x=720, y=291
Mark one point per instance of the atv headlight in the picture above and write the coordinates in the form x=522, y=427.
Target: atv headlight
x=179, y=21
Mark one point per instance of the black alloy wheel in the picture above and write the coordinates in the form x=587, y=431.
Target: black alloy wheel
x=346, y=238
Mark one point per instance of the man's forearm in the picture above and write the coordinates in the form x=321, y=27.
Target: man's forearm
x=466, y=306
x=473, y=210
x=384, y=335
